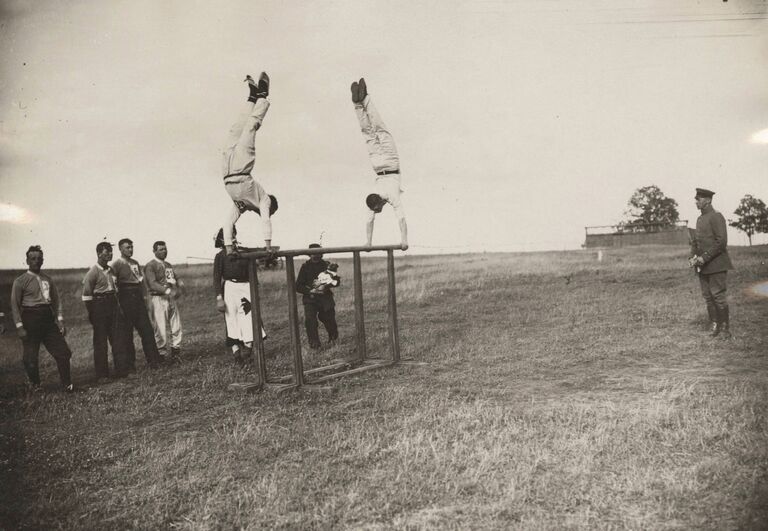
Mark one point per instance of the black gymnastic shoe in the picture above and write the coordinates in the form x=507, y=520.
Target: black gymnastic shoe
x=362, y=89
x=263, y=85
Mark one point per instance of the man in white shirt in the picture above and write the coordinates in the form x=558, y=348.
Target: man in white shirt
x=385, y=162
x=239, y=156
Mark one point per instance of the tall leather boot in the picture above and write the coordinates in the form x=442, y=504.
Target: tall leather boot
x=712, y=313
x=725, y=324
x=718, y=322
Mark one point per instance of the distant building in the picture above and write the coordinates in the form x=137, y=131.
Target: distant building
x=626, y=235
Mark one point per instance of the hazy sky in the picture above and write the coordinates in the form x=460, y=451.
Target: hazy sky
x=517, y=122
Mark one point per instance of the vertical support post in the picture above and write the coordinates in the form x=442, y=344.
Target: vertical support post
x=359, y=311
x=293, y=322
x=394, y=334
x=258, y=341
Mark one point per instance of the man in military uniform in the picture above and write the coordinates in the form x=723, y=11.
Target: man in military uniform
x=709, y=257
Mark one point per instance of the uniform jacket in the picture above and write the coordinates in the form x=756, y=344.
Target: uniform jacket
x=711, y=241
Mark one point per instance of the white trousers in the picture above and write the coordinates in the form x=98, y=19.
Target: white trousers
x=239, y=156
x=165, y=319
x=381, y=145
x=240, y=150
x=239, y=324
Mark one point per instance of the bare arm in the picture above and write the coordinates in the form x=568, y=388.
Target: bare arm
x=229, y=224
x=369, y=232
x=403, y=233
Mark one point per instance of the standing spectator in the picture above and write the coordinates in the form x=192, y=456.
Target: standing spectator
x=233, y=292
x=100, y=298
x=164, y=288
x=130, y=296
x=709, y=255
x=36, y=309
x=318, y=297
x=2, y=317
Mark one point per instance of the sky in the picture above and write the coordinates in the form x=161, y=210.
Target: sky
x=518, y=123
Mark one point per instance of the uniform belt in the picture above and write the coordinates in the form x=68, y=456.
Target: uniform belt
x=234, y=175
x=235, y=280
x=104, y=295
x=387, y=172
x=129, y=286
x=36, y=307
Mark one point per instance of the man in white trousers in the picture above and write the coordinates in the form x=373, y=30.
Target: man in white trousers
x=231, y=283
x=238, y=159
x=164, y=288
x=385, y=162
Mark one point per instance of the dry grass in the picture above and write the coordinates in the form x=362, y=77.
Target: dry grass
x=559, y=392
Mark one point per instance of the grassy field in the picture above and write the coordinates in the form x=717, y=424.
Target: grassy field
x=558, y=392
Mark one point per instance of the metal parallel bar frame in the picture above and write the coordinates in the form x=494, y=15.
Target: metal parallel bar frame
x=261, y=367
x=293, y=320
x=394, y=334
x=359, y=310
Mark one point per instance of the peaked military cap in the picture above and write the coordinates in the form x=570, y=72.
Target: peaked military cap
x=702, y=192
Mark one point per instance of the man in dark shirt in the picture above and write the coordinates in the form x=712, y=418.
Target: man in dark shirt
x=100, y=298
x=233, y=293
x=317, y=298
x=130, y=295
x=709, y=255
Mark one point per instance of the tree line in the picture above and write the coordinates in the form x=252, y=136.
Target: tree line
x=649, y=210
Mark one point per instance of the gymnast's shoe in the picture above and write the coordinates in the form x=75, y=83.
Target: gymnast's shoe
x=258, y=89
x=263, y=85
x=362, y=90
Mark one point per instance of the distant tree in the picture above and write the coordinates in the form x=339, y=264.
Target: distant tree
x=752, y=217
x=650, y=210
